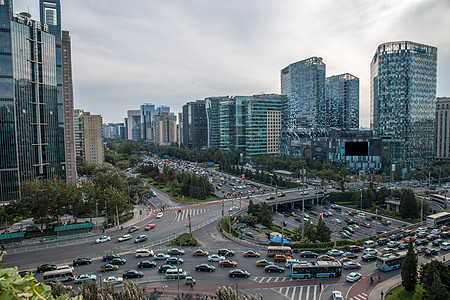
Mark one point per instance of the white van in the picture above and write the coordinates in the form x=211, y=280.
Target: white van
x=144, y=252
x=174, y=273
x=65, y=267
x=369, y=244
x=445, y=246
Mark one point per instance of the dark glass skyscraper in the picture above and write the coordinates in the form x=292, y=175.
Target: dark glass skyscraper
x=194, y=125
x=29, y=133
x=403, y=101
x=342, y=97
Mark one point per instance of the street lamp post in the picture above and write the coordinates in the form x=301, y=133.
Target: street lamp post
x=321, y=201
x=276, y=194
x=303, y=203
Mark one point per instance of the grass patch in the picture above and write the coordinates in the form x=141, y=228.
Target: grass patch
x=185, y=198
x=127, y=217
x=184, y=240
x=399, y=293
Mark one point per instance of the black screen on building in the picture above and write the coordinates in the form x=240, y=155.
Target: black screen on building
x=356, y=148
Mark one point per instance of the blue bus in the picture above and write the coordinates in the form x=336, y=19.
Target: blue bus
x=318, y=269
x=391, y=261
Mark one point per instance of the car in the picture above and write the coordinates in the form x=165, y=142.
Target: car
x=112, y=280
x=251, y=253
x=82, y=261
x=386, y=251
x=336, y=220
x=161, y=256
x=140, y=239
x=205, y=268
x=445, y=246
x=133, y=274
x=125, y=237
x=293, y=261
x=382, y=241
x=436, y=231
x=353, y=276
x=103, y=239
x=327, y=213
x=118, y=261
x=370, y=251
x=432, y=237
x=392, y=244
x=350, y=255
x=349, y=229
x=233, y=208
x=227, y=263
x=85, y=277
x=335, y=206
x=431, y=252
x=281, y=194
x=270, y=198
x=54, y=283
x=109, y=267
x=369, y=257
x=175, y=251
x=164, y=268
x=395, y=237
x=173, y=260
x=263, y=262
x=421, y=234
x=445, y=234
x=45, y=268
x=343, y=260
x=146, y=264
x=325, y=257
x=200, y=252
x=215, y=257
x=421, y=242
x=421, y=249
x=351, y=265
x=24, y=273
x=190, y=281
x=226, y=252
x=403, y=246
x=367, y=225
x=305, y=254
x=336, y=295
x=335, y=252
x=282, y=257
x=149, y=226
x=133, y=229
x=109, y=256
x=239, y=273
x=355, y=248
x=305, y=192
x=274, y=268
x=159, y=215
x=361, y=215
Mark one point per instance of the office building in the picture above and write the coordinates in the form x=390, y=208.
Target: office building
x=403, y=102
x=443, y=128
x=194, y=125
x=180, y=128
x=165, y=129
x=212, y=105
x=303, y=83
x=342, y=98
x=29, y=133
x=134, y=125
x=148, y=110
x=88, y=137
x=114, y=131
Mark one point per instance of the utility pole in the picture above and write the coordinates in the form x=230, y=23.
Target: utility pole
x=334, y=221
x=303, y=203
x=376, y=219
x=222, y=209
x=190, y=228
x=361, y=200
x=282, y=233
x=117, y=215
x=106, y=213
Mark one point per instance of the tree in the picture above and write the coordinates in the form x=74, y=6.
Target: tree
x=427, y=270
x=409, y=270
x=322, y=231
x=309, y=232
x=228, y=293
x=251, y=210
x=437, y=290
x=249, y=219
x=408, y=205
x=264, y=216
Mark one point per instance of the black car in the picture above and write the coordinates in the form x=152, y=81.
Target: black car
x=118, y=261
x=274, y=268
x=175, y=251
x=133, y=274
x=239, y=273
x=164, y=268
x=347, y=228
x=108, y=257
x=45, y=268
x=421, y=242
x=369, y=257
x=226, y=252
x=403, y=246
x=432, y=237
x=204, y=268
x=445, y=234
x=382, y=241
x=82, y=261
x=431, y=252
x=395, y=237
x=308, y=254
x=24, y=273
x=146, y=264
x=437, y=242
x=140, y=239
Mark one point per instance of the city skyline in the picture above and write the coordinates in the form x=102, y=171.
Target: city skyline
x=174, y=53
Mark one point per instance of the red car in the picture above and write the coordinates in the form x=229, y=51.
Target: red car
x=281, y=257
x=355, y=248
x=149, y=226
x=227, y=263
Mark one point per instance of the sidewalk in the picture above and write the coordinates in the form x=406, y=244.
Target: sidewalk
x=385, y=286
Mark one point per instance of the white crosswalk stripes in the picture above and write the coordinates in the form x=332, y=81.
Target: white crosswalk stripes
x=361, y=296
x=300, y=292
x=184, y=214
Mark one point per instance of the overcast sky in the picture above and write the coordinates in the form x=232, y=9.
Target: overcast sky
x=169, y=52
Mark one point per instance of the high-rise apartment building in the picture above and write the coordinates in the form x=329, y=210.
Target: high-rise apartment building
x=443, y=128
x=88, y=137
x=134, y=125
x=403, y=101
x=212, y=105
x=194, y=125
x=342, y=98
x=165, y=129
x=29, y=131
x=303, y=83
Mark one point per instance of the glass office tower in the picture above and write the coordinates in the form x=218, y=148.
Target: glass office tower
x=29, y=132
x=342, y=97
x=303, y=83
x=195, y=135
x=403, y=101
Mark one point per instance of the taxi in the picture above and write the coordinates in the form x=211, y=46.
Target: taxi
x=200, y=252
x=350, y=255
x=251, y=253
x=325, y=257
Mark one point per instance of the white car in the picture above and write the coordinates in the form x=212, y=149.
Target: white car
x=85, y=277
x=335, y=252
x=337, y=295
x=353, y=276
x=370, y=251
x=233, y=208
x=435, y=231
x=102, y=239
x=159, y=215
x=215, y=257
x=445, y=246
x=113, y=280
x=126, y=237
x=361, y=215
x=336, y=220
x=161, y=256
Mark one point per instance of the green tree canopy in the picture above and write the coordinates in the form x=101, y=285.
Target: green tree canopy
x=409, y=270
